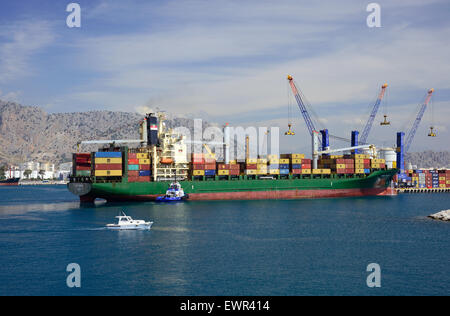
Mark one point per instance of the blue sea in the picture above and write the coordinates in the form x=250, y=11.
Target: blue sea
x=302, y=247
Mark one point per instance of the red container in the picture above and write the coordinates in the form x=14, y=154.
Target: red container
x=84, y=155
x=210, y=161
x=306, y=161
x=108, y=166
x=133, y=161
x=235, y=166
x=340, y=161
x=234, y=172
x=132, y=156
x=296, y=171
x=306, y=166
x=82, y=160
x=133, y=178
x=341, y=171
x=144, y=167
x=144, y=179
x=223, y=166
x=251, y=166
x=133, y=174
x=198, y=161
x=80, y=168
x=198, y=167
x=210, y=166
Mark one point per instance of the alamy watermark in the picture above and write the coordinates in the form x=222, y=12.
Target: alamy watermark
x=74, y=18
x=374, y=278
x=374, y=18
x=74, y=278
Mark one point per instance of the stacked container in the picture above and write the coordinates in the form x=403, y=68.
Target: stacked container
x=345, y=166
x=251, y=166
x=261, y=167
x=198, y=164
x=139, y=167
x=82, y=164
x=273, y=162
x=108, y=164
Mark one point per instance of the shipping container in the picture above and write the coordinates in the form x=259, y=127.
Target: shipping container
x=108, y=173
x=108, y=154
x=108, y=160
x=133, y=167
x=113, y=166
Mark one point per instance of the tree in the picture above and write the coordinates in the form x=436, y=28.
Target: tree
x=27, y=173
x=2, y=172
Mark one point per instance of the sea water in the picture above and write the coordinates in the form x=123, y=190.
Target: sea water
x=298, y=247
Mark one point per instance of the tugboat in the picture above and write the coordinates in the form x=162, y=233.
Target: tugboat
x=127, y=223
x=174, y=193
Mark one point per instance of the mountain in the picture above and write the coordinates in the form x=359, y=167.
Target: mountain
x=29, y=133
x=429, y=159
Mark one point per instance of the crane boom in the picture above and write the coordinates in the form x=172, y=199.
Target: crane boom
x=301, y=105
x=416, y=123
x=373, y=114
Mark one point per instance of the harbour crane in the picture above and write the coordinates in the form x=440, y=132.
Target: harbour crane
x=373, y=114
x=413, y=130
x=302, y=106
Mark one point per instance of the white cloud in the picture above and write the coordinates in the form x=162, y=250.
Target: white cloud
x=18, y=42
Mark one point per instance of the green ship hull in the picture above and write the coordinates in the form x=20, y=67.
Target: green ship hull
x=377, y=183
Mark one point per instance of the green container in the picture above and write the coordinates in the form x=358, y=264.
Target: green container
x=83, y=173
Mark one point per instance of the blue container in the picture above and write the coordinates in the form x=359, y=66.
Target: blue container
x=297, y=166
x=144, y=173
x=107, y=154
x=284, y=166
x=274, y=166
x=366, y=170
x=133, y=167
x=284, y=171
x=210, y=172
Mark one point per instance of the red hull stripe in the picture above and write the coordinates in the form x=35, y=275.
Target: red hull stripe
x=262, y=195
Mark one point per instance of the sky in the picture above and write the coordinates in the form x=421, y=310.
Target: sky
x=227, y=62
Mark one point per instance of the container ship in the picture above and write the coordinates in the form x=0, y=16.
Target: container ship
x=117, y=171
x=10, y=182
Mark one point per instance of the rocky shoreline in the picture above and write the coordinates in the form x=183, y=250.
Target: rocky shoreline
x=442, y=216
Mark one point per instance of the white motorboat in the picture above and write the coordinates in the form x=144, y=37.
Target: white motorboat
x=125, y=222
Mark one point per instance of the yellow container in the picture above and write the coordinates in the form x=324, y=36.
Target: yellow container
x=261, y=171
x=251, y=161
x=274, y=171
x=442, y=185
x=448, y=181
x=284, y=161
x=359, y=161
x=316, y=171
x=108, y=173
x=224, y=172
x=273, y=157
x=233, y=162
x=359, y=156
x=375, y=165
x=394, y=165
x=142, y=156
x=296, y=161
x=144, y=161
x=340, y=166
x=359, y=171
x=250, y=172
x=198, y=172
x=298, y=156
x=325, y=171
x=274, y=161
x=262, y=161
x=359, y=166
x=306, y=171
x=107, y=160
x=442, y=178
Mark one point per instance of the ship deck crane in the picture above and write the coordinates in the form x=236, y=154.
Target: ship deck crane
x=412, y=132
x=301, y=104
x=373, y=114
